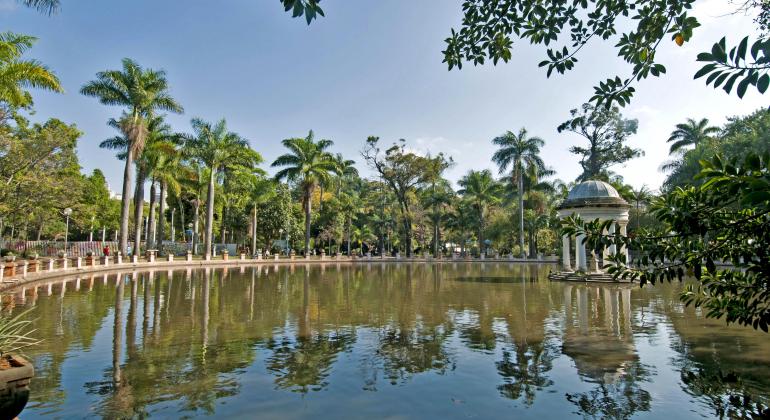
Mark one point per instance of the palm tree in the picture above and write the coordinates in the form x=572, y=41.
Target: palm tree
x=520, y=153
x=142, y=91
x=343, y=168
x=158, y=135
x=47, y=7
x=481, y=190
x=641, y=195
x=168, y=172
x=691, y=133
x=16, y=75
x=307, y=164
x=217, y=149
x=261, y=190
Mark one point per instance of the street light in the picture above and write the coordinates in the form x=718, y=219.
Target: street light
x=280, y=234
x=91, y=232
x=67, y=213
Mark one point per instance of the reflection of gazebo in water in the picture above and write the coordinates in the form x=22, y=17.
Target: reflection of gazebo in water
x=598, y=337
x=590, y=200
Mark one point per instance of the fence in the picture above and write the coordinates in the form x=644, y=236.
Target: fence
x=81, y=249
x=53, y=248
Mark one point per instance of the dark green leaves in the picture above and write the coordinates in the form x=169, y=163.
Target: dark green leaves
x=724, y=69
x=310, y=8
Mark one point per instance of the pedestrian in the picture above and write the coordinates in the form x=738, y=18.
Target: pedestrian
x=106, y=251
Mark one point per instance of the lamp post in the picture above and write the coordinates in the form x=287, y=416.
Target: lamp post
x=67, y=214
x=280, y=234
x=91, y=231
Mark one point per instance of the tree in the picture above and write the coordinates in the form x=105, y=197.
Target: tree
x=723, y=219
x=640, y=195
x=481, y=190
x=606, y=132
x=307, y=164
x=403, y=172
x=261, y=191
x=691, y=133
x=17, y=75
x=489, y=26
x=521, y=154
x=158, y=136
x=142, y=92
x=217, y=148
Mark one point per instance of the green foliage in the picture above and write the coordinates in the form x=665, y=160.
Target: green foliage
x=725, y=69
x=309, y=8
x=740, y=136
x=723, y=220
x=636, y=29
x=17, y=75
x=607, y=133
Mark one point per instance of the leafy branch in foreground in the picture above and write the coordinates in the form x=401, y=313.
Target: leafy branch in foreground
x=717, y=233
x=566, y=27
x=15, y=334
x=728, y=68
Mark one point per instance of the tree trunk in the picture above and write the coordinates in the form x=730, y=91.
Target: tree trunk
x=150, y=240
x=125, y=202
x=521, y=213
x=196, y=218
x=254, y=231
x=482, y=247
x=308, y=195
x=161, y=216
x=349, y=220
x=209, y=214
x=138, y=212
x=181, y=220
x=223, y=225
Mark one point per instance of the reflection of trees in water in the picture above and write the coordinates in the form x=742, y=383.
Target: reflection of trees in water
x=729, y=373
x=617, y=399
x=302, y=365
x=524, y=370
x=409, y=351
x=598, y=336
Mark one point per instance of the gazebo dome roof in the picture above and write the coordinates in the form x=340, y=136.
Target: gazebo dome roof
x=593, y=193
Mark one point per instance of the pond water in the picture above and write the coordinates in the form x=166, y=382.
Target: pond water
x=465, y=340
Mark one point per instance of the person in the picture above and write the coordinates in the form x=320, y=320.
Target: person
x=106, y=250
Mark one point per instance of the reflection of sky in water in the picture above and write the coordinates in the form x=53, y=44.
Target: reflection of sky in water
x=402, y=340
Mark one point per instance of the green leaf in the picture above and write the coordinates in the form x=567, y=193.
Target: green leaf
x=708, y=68
x=762, y=83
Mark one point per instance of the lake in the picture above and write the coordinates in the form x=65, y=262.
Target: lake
x=383, y=340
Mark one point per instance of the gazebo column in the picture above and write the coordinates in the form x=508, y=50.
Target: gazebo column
x=566, y=261
x=624, y=250
x=613, y=250
x=580, y=253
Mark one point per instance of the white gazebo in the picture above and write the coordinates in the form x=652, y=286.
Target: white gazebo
x=592, y=200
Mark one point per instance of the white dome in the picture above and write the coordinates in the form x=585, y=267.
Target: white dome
x=592, y=189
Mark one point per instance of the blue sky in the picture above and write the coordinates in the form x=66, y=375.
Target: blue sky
x=368, y=68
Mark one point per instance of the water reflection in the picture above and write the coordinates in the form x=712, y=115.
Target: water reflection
x=398, y=339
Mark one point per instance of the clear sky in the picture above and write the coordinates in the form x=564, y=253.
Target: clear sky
x=368, y=68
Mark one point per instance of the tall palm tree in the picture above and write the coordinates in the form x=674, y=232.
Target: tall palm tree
x=691, y=133
x=217, y=148
x=158, y=136
x=142, y=92
x=520, y=153
x=16, y=75
x=168, y=172
x=261, y=190
x=307, y=164
x=482, y=190
x=343, y=168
